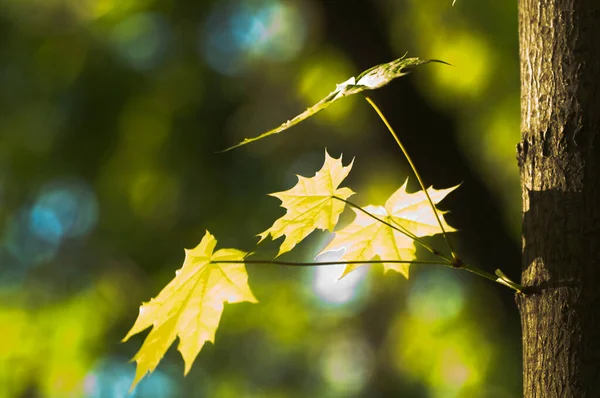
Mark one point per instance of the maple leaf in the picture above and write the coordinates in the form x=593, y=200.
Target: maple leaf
x=190, y=306
x=311, y=204
x=366, y=238
x=371, y=79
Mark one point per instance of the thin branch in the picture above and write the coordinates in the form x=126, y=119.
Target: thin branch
x=414, y=169
x=500, y=278
x=322, y=263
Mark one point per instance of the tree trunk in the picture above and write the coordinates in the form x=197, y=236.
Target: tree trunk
x=559, y=157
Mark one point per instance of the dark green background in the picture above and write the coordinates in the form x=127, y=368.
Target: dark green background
x=111, y=113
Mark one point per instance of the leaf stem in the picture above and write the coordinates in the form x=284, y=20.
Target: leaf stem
x=399, y=229
x=414, y=169
x=321, y=263
x=503, y=279
x=500, y=277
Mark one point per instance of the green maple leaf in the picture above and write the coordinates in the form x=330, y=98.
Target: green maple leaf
x=366, y=238
x=311, y=204
x=190, y=306
x=371, y=79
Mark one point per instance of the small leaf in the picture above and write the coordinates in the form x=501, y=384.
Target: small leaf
x=190, y=306
x=365, y=238
x=371, y=79
x=311, y=204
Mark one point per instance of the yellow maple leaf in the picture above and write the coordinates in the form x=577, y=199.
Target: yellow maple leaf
x=413, y=212
x=366, y=238
x=190, y=306
x=311, y=204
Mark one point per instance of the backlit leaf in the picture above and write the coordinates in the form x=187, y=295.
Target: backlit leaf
x=371, y=79
x=366, y=237
x=190, y=306
x=310, y=204
x=413, y=212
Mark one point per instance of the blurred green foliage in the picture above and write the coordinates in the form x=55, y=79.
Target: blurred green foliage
x=110, y=115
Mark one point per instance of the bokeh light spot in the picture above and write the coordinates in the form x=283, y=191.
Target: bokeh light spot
x=436, y=296
x=239, y=34
x=62, y=209
x=45, y=224
x=112, y=9
x=71, y=203
x=111, y=378
x=320, y=75
x=470, y=77
x=347, y=364
x=141, y=40
x=332, y=290
x=448, y=357
x=453, y=371
x=26, y=245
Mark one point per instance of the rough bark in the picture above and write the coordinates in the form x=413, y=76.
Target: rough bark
x=559, y=157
